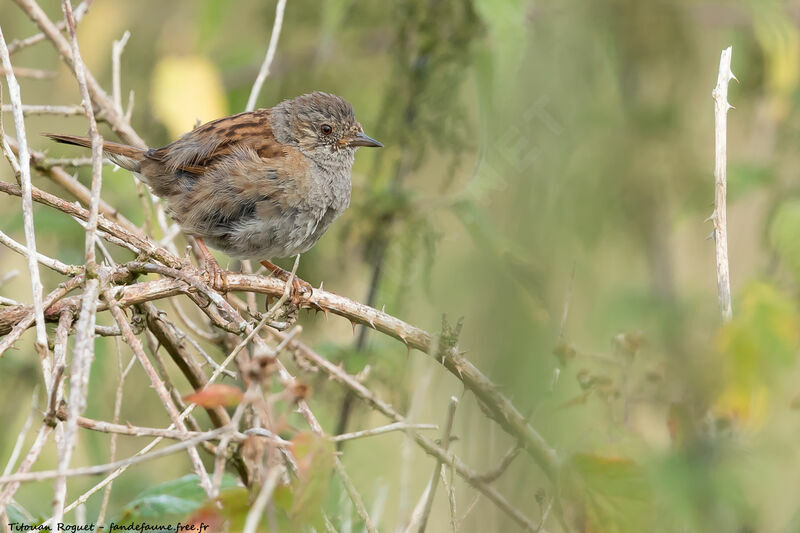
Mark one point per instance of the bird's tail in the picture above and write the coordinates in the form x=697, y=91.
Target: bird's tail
x=128, y=157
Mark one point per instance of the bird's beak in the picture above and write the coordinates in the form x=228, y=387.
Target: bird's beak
x=361, y=139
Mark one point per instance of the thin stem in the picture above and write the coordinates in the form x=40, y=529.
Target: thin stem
x=719, y=217
x=271, y=49
x=27, y=201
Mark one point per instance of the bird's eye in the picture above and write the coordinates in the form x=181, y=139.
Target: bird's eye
x=326, y=129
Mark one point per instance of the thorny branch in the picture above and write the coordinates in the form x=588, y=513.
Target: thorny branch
x=719, y=217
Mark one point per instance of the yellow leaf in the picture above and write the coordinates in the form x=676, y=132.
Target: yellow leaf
x=185, y=90
x=747, y=407
x=755, y=348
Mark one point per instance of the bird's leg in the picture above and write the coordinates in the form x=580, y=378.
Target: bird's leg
x=216, y=275
x=298, y=285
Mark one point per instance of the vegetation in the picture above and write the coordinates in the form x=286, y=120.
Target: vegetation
x=534, y=231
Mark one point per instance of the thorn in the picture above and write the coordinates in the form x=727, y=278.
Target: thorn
x=383, y=308
x=733, y=77
x=326, y=313
x=353, y=324
x=730, y=106
x=711, y=216
x=711, y=235
x=320, y=285
x=371, y=323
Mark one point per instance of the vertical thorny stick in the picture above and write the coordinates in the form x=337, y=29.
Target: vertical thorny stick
x=719, y=217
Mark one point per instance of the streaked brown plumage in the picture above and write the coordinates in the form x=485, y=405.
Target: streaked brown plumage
x=260, y=184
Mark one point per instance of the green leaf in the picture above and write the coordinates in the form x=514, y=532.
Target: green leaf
x=178, y=497
x=616, y=493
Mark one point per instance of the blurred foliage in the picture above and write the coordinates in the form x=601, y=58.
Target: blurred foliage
x=547, y=174
x=162, y=503
x=194, y=75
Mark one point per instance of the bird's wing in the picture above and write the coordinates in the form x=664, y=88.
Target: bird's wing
x=212, y=141
x=240, y=187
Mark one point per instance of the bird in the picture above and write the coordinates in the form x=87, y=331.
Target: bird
x=261, y=184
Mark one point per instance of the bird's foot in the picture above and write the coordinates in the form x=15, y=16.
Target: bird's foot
x=216, y=276
x=299, y=288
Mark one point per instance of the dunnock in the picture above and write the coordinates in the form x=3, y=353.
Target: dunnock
x=260, y=184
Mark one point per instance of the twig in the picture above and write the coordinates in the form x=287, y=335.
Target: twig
x=265, y=66
x=168, y=337
x=97, y=141
x=118, y=471
x=27, y=202
x=63, y=110
x=380, y=431
x=423, y=510
x=28, y=319
x=116, y=55
x=545, y=514
x=18, y=45
x=61, y=177
x=112, y=454
x=222, y=449
x=136, y=346
x=264, y=495
x=9, y=301
x=469, y=475
x=33, y=73
x=55, y=388
x=100, y=469
x=31, y=457
x=355, y=497
x=23, y=433
x=68, y=162
x=117, y=122
x=719, y=217
x=83, y=352
x=54, y=264
x=450, y=487
x=468, y=511
x=493, y=474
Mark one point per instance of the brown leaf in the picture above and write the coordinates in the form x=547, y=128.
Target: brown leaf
x=216, y=396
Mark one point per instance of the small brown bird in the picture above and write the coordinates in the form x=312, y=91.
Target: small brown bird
x=262, y=184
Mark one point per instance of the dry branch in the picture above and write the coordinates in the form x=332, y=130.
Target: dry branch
x=27, y=204
x=498, y=405
x=83, y=352
x=265, y=66
x=719, y=217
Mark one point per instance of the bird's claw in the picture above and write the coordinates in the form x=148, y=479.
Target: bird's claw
x=216, y=276
x=300, y=289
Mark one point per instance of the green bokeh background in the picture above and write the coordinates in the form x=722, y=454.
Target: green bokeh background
x=537, y=153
